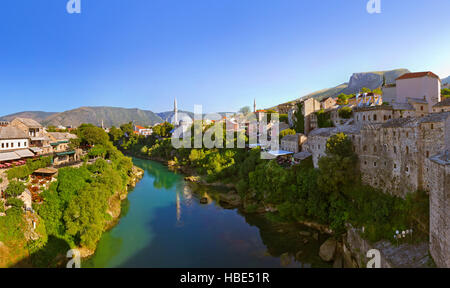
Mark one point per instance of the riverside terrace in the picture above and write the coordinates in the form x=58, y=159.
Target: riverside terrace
x=25, y=138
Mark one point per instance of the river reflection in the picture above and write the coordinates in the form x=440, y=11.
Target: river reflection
x=166, y=226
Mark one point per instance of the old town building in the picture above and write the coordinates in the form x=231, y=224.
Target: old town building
x=39, y=142
x=293, y=143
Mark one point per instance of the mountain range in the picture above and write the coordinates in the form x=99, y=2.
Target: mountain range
x=111, y=116
x=446, y=80
x=371, y=80
x=115, y=116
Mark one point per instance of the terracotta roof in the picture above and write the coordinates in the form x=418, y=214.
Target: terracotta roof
x=417, y=75
x=140, y=127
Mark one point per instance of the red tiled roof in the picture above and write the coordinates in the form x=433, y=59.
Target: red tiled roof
x=418, y=75
x=140, y=127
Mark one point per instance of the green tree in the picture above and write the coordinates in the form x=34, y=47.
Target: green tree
x=287, y=132
x=284, y=118
x=14, y=189
x=299, y=119
x=345, y=112
x=244, y=110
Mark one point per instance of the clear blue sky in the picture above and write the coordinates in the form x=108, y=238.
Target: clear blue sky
x=218, y=53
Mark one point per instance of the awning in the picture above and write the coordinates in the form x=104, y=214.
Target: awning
x=47, y=171
x=279, y=152
x=65, y=153
x=36, y=149
x=8, y=156
x=24, y=153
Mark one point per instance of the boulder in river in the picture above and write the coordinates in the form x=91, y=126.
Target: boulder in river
x=204, y=200
x=328, y=250
x=304, y=233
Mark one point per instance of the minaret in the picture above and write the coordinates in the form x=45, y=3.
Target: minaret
x=175, y=111
x=254, y=105
x=103, y=127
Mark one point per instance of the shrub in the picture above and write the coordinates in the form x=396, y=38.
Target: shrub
x=14, y=189
x=15, y=202
x=345, y=112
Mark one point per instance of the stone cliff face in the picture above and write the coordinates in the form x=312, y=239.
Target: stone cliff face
x=446, y=80
x=372, y=80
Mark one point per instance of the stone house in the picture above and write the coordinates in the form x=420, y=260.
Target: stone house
x=392, y=154
x=14, y=144
x=293, y=143
x=12, y=138
x=39, y=142
x=310, y=106
x=443, y=106
x=389, y=93
x=62, y=153
x=328, y=103
x=439, y=174
x=421, y=86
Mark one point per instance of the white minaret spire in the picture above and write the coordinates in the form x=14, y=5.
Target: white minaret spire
x=254, y=105
x=175, y=111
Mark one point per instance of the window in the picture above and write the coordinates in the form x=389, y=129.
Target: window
x=394, y=133
x=421, y=108
x=395, y=149
x=3, y=145
x=18, y=144
x=428, y=154
x=364, y=117
x=374, y=148
x=7, y=145
x=407, y=150
x=374, y=164
x=432, y=126
x=12, y=144
x=365, y=162
x=395, y=166
x=407, y=134
x=407, y=169
x=385, y=118
x=375, y=117
x=365, y=148
x=25, y=144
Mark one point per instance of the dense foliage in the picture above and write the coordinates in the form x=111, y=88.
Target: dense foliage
x=345, y=112
x=24, y=171
x=324, y=119
x=75, y=208
x=299, y=119
x=445, y=93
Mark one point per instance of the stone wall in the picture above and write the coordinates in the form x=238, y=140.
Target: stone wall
x=439, y=174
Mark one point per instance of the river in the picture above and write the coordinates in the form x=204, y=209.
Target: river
x=164, y=225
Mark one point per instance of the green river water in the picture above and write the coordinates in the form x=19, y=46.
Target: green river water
x=164, y=225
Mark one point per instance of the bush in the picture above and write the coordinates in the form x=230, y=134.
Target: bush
x=14, y=189
x=15, y=202
x=345, y=112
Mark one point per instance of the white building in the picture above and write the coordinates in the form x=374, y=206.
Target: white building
x=12, y=138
